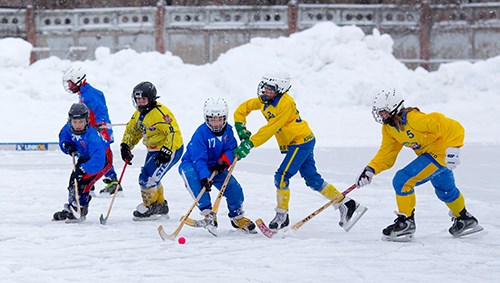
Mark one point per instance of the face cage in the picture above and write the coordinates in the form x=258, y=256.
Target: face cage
x=215, y=129
x=67, y=86
x=376, y=115
x=261, y=94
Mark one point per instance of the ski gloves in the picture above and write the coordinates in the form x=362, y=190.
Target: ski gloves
x=219, y=167
x=70, y=149
x=78, y=173
x=242, y=131
x=365, y=177
x=243, y=150
x=207, y=184
x=126, y=153
x=452, y=157
x=163, y=156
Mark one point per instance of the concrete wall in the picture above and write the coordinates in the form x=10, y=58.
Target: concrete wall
x=423, y=34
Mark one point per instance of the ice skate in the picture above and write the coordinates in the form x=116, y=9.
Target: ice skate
x=350, y=212
x=402, y=230
x=146, y=213
x=244, y=224
x=280, y=220
x=110, y=187
x=463, y=225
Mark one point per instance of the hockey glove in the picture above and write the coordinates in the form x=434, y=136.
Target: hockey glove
x=78, y=174
x=70, y=149
x=452, y=157
x=205, y=183
x=242, y=131
x=163, y=156
x=219, y=167
x=243, y=150
x=101, y=126
x=126, y=153
x=365, y=178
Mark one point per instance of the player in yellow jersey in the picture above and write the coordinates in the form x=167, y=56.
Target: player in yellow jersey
x=155, y=124
x=296, y=141
x=436, y=140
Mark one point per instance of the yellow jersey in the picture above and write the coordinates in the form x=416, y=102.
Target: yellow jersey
x=157, y=128
x=429, y=133
x=283, y=121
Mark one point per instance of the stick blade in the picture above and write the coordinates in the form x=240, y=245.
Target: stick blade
x=103, y=220
x=75, y=213
x=264, y=229
x=164, y=236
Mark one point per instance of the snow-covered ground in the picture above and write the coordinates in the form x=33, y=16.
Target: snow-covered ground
x=335, y=73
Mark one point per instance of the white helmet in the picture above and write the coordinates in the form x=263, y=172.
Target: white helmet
x=76, y=75
x=214, y=108
x=278, y=81
x=388, y=100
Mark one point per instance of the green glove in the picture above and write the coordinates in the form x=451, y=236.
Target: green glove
x=243, y=150
x=242, y=131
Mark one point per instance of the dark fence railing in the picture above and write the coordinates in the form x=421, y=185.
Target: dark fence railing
x=424, y=35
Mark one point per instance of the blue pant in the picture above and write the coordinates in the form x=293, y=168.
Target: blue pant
x=151, y=174
x=233, y=193
x=299, y=158
x=425, y=168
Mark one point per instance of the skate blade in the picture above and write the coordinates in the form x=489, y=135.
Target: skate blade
x=71, y=221
x=469, y=231
x=355, y=217
x=401, y=239
x=212, y=230
x=150, y=218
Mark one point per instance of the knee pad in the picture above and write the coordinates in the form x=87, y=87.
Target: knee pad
x=399, y=184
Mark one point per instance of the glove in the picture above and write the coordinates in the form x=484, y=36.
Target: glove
x=100, y=127
x=70, y=149
x=365, y=177
x=163, y=156
x=205, y=183
x=452, y=157
x=219, y=166
x=127, y=155
x=243, y=150
x=78, y=174
x=242, y=131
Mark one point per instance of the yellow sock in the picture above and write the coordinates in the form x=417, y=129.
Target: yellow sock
x=330, y=192
x=457, y=205
x=283, y=197
x=149, y=196
x=406, y=204
x=161, y=198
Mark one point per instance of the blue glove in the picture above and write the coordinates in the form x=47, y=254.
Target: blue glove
x=243, y=150
x=242, y=131
x=163, y=156
x=70, y=149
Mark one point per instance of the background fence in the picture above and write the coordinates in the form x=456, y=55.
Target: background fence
x=424, y=34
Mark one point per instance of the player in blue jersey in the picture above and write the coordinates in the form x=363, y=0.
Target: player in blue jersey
x=211, y=149
x=75, y=81
x=94, y=159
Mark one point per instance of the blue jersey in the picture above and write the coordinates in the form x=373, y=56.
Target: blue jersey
x=205, y=149
x=90, y=146
x=96, y=102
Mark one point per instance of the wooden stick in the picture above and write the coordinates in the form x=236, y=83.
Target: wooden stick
x=103, y=220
